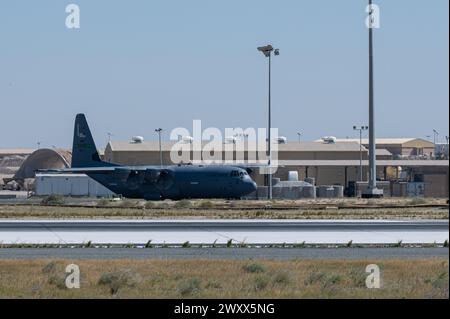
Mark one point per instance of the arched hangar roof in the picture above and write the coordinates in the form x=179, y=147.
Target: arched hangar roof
x=43, y=159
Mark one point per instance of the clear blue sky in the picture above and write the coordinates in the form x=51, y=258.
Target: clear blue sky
x=137, y=65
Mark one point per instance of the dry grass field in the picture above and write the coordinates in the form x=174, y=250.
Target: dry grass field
x=224, y=279
x=220, y=209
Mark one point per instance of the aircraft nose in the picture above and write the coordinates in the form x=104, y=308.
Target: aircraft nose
x=251, y=186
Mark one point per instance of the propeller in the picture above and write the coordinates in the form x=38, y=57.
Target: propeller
x=165, y=179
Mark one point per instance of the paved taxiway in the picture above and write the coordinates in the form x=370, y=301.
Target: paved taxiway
x=220, y=231
x=224, y=225
x=224, y=253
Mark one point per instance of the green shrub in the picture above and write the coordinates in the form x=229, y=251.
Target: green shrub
x=55, y=200
x=261, y=282
x=55, y=274
x=190, y=287
x=183, y=204
x=49, y=268
x=440, y=281
x=127, y=203
x=206, y=204
x=58, y=280
x=149, y=205
x=326, y=280
x=254, y=268
x=213, y=284
x=314, y=278
x=358, y=278
x=163, y=205
x=118, y=280
x=417, y=201
x=103, y=202
x=282, y=277
x=332, y=279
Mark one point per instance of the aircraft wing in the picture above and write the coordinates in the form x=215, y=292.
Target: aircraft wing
x=161, y=177
x=78, y=170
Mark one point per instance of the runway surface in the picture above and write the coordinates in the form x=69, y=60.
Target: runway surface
x=223, y=225
x=225, y=253
x=221, y=231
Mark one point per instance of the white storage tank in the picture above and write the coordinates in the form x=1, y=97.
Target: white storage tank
x=293, y=176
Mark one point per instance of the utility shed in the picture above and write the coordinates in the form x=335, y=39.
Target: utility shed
x=69, y=185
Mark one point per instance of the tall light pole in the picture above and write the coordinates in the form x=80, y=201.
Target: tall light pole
x=159, y=131
x=360, y=129
x=267, y=51
x=435, y=140
x=38, y=145
x=435, y=136
x=447, y=155
x=299, y=136
x=372, y=191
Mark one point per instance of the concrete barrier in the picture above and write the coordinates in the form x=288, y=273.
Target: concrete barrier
x=285, y=192
x=330, y=191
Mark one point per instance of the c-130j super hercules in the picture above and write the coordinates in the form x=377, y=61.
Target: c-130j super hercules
x=154, y=182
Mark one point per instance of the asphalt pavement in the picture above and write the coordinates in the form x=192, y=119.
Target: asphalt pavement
x=224, y=253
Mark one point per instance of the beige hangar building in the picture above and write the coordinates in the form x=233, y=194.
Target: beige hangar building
x=327, y=163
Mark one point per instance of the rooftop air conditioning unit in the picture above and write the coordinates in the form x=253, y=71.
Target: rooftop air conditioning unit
x=187, y=139
x=329, y=139
x=137, y=139
x=230, y=140
x=281, y=140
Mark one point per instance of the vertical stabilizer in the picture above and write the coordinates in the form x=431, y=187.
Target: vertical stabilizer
x=84, y=152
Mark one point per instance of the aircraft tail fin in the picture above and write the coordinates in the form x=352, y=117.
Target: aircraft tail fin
x=84, y=152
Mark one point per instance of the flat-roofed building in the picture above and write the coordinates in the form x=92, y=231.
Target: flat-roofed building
x=10, y=157
x=147, y=153
x=402, y=147
x=15, y=151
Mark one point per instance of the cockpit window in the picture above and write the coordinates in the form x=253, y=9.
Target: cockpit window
x=235, y=174
x=238, y=173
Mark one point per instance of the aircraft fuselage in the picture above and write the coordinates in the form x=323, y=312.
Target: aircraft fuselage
x=176, y=182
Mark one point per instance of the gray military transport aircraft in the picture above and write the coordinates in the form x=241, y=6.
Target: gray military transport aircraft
x=155, y=182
